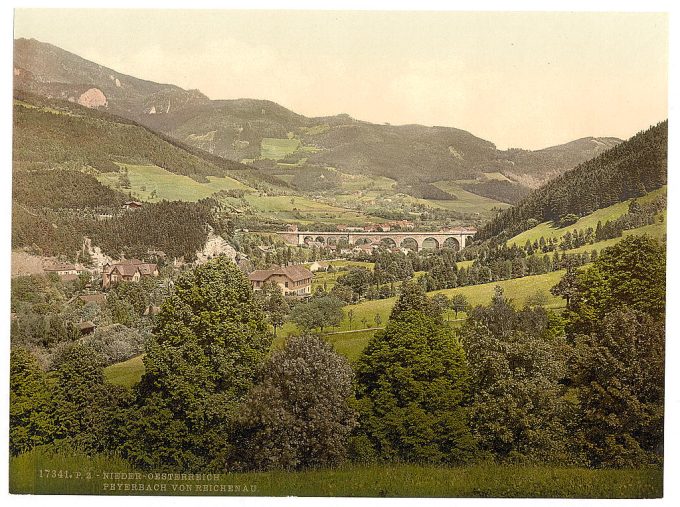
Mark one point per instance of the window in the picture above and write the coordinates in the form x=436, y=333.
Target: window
x=286, y=284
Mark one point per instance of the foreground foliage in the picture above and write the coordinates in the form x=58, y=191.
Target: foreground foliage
x=412, y=389
x=298, y=415
x=209, y=340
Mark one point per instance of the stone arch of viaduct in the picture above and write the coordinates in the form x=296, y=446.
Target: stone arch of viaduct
x=458, y=239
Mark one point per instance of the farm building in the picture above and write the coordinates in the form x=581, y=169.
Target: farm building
x=61, y=269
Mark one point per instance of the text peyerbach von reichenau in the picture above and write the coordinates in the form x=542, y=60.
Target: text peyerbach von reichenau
x=171, y=483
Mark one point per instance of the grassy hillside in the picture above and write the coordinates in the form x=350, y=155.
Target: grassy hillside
x=548, y=229
x=630, y=169
x=152, y=183
x=127, y=373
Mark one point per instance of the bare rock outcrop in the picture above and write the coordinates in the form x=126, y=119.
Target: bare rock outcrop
x=93, y=98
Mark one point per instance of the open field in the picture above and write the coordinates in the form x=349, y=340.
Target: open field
x=393, y=480
x=277, y=149
x=517, y=289
x=127, y=373
x=547, y=230
x=467, y=201
x=146, y=179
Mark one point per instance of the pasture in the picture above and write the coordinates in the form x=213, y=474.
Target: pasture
x=127, y=373
x=152, y=183
x=31, y=473
x=276, y=149
x=548, y=230
x=467, y=202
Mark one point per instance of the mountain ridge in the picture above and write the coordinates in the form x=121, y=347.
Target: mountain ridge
x=236, y=129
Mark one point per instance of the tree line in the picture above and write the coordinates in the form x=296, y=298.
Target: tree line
x=511, y=386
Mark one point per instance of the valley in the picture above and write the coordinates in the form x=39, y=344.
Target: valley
x=221, y=285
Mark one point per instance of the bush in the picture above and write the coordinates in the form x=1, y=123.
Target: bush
x=117, y=343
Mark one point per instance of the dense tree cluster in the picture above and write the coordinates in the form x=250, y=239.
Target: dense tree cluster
x=176, y=228
x=500, y=190
x=73, y=134
x=518, y=360
x=316, y=179
x=61, y=188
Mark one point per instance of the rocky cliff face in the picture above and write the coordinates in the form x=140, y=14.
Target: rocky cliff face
x=215, y=246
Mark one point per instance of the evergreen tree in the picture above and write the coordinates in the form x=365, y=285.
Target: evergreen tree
x=412, y=390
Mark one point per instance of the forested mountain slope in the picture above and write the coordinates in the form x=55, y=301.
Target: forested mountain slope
x=628, y=170
x=241, y=129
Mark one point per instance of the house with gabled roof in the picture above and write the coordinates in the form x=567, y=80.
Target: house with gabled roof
x=293, y=280
x=132, y=270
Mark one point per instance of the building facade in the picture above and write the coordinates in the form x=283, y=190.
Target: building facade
x=293, y=280
x=127, y=271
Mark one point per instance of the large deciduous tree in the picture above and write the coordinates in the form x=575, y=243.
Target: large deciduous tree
x=318, y=313
x=517, y=363
x=299, y=414
x=618, y=371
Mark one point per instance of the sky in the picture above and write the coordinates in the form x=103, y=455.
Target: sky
x=525, y=80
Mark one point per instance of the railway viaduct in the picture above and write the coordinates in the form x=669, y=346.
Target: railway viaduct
x=454, y=238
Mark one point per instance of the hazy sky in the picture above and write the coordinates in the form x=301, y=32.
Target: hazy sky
x=526, y=80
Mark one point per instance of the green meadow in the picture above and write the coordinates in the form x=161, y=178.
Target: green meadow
x=467, y=202
x=127, y=373
x=152, y=183
x=277, y=149
x=42, y=471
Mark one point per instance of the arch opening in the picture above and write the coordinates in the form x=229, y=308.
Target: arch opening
x=430, y=244
x=409, y=243
x=451, y=243
x=388, y=243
